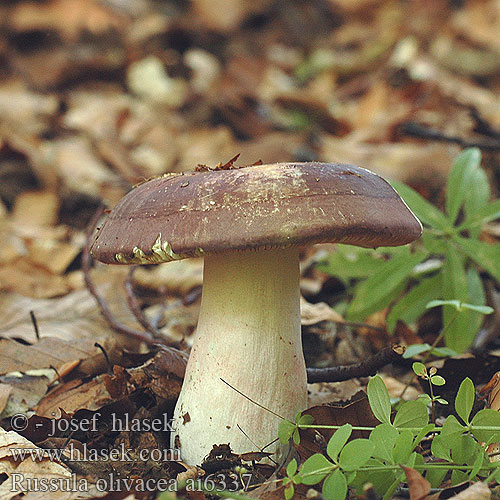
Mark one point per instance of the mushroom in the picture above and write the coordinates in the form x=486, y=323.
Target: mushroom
x=249, y=224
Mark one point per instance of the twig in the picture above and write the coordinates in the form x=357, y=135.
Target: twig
x=363, y=369
x=35, y=325
x=106, y=357
x=416, y=130
x=135, y=308
x=103, y=306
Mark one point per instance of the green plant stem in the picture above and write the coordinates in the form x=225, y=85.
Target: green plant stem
x=411, y=429
x=433, y=403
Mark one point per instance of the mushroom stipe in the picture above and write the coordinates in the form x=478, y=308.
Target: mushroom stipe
x=249, y=225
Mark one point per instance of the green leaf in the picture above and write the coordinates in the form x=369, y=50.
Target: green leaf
x=419, y=368
x=355, y=454
x=465, y=399
x=452, y=427
x=482, y=216
x=443, y=352
x=486, y=256
x=425, y=211
x=457, y=304
x=338, y=440
x=335, y=486
x=426, y=429
x=381, y=479
x=440, y=447
x=435, y=476
x=464, y=450
x=315, y=468
x=478, y=463
x=487, y=418
x=425, y=398
x=476, y=197
x=285, y=431
x=458, y=477
x=379, y=399
x=291, y=468
x=437, y=380
x=479, y=309
x=306, y=419
x=403, y=446
x=348, y=262
x=411, y=414
x=384, y=437
x=459, y=334
x=383, y=286
x=458, y=179
x=289, y=491
x=413, y=304
x=416, y=349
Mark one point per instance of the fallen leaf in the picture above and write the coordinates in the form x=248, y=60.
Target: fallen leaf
x=419, y=487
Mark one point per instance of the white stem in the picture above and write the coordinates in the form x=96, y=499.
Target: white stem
x=249, y=335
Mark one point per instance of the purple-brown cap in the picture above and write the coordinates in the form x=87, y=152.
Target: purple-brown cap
x=257, y=207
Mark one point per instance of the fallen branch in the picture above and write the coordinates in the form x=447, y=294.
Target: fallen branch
x=363, y=369
x=103, y=305
x=413, y=129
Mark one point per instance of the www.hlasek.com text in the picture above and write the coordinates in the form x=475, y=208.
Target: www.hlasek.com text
x=83, y=454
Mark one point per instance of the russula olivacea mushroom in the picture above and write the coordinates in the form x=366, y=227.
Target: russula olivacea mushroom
x=249, y=224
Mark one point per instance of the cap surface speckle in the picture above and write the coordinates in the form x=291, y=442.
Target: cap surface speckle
x=264, y=206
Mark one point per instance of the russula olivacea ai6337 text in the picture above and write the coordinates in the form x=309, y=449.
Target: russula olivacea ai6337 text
x=249, y=224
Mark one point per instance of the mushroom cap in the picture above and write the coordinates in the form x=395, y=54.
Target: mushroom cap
x=258, y=207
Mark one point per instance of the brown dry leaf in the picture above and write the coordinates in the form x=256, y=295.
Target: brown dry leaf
x=223, y=16
x=357, y=412
x=25, y=278
x=80, y=169
x=55, y=256
x=56, y=352
x=459, y=89
x=330, y=392
x=5, y=392
x=476, y=491
x=163, y=374
x=70, y=317
x=419, y=487
x=70, y=18
x=29, y=111
x=27, y=469
x=73, y=396
x=392, y=160
x=205, y=146
x=492, y=390
x=396, y=387
x=312, y=314
x=478, y=21
x=36, y=208
x=27, y=391
x=177, y=277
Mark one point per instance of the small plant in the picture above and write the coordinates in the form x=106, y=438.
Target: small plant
x=434, y=380
x=444, y=265
x=458, y=448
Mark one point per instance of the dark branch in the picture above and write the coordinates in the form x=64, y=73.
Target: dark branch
x=363, y=369
x=413, y=129
x=103, y=305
